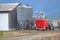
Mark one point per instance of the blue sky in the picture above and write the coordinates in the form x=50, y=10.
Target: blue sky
x=50, y=7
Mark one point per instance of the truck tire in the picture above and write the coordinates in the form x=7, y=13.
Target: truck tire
x=43, y=29
x=49, y=28
x=37, y=29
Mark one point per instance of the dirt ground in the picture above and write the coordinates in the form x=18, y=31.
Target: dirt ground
x=32, y=35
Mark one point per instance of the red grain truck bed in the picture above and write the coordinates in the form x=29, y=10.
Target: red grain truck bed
x=42, y=24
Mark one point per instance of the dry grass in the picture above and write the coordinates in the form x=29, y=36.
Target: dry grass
x=18, y=33
x=1, y=34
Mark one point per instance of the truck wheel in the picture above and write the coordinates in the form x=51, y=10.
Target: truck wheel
x=49, y=28
x=43, y=29
x=37, y=29
x=52, y=28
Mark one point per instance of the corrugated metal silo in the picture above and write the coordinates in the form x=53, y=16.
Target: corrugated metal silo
x=24, y=13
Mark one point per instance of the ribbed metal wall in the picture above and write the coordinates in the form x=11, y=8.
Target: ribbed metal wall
x=24, y=13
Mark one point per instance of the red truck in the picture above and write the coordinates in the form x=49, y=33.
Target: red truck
x=42, y=24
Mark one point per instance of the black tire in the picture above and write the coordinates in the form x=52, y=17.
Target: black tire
x=37, y=29
x=43, y=29
x=49, y=28
x=52, y=28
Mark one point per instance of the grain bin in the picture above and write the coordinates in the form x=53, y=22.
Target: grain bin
x=24, y=13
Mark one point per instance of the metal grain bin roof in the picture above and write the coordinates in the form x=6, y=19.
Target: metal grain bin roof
x=24, y=6
x=8, y=6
